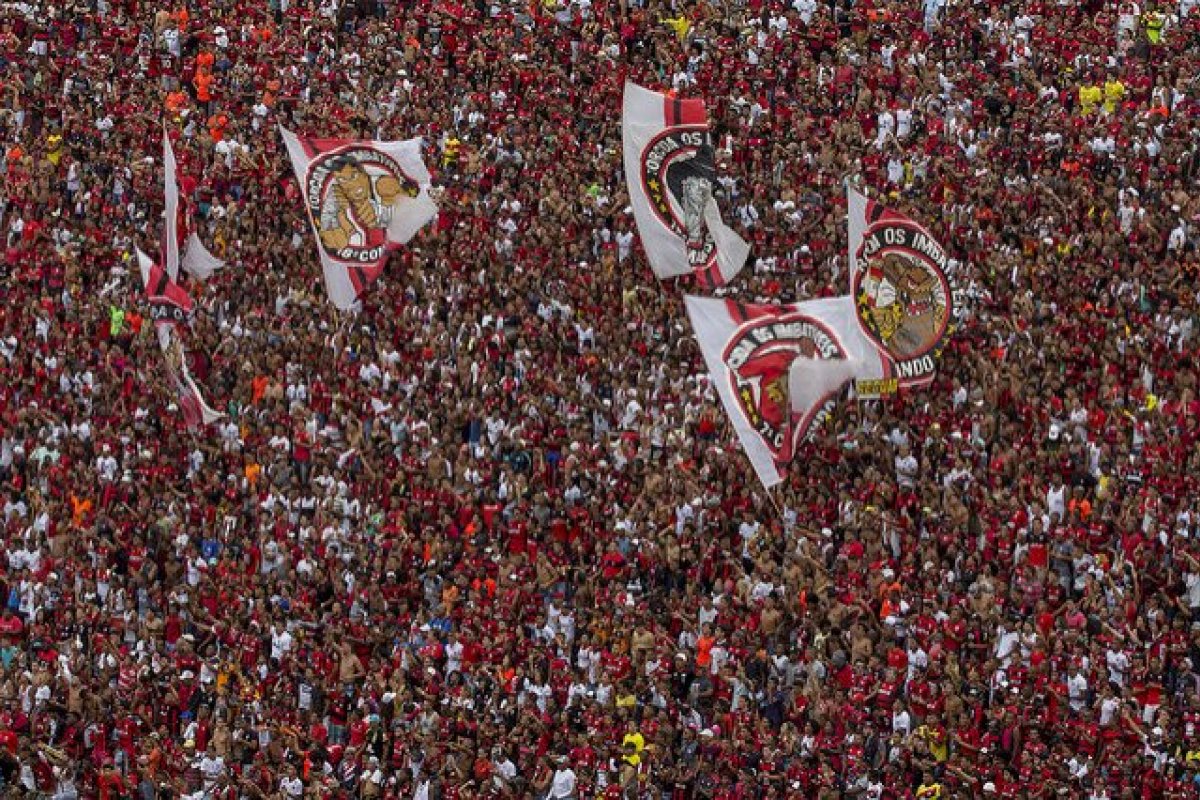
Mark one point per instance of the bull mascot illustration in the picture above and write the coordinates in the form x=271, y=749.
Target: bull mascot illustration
x=909, y=311
x=765, y=397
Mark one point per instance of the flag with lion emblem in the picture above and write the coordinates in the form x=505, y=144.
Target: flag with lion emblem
x=905, y=299
x=364, y=199
x=672, y=177
x=779, y=369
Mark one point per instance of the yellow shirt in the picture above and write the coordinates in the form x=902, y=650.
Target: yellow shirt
x=1089, y=98
x=929, y=790
x=1114, y=92
x=54, y=148
x=680, y=25
x=1153, y=21
x=936, y=742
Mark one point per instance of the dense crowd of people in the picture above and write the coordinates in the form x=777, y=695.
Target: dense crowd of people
x=491, y=536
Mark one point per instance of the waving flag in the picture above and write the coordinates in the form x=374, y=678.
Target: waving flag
x=672, y=178
x=906, y=302
x=196, y=259
x=364, y=199
x=779, y=369
x=196, y=412
x=169, y=304
x=171, y=307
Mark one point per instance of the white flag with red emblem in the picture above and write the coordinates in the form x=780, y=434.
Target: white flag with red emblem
x=672, y=177
x=779, y=369
x=364, y=199
x=905, y=298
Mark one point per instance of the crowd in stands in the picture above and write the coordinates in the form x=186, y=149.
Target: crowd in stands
x=491, y=536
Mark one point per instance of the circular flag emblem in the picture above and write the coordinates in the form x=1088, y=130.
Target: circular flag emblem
x=352, y=194
x=679, y=177
x=902, y=296
x=759, y=358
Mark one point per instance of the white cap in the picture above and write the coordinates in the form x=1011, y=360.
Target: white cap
x=989, y=787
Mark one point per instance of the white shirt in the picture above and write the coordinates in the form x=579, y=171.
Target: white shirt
x=1077, y=690
x=1192, y=581
x=212, y=767
x=1118, y=665
x=292, y=787
x=563, y=785
x=806, y=9
x=906, y=470
x=281, y=643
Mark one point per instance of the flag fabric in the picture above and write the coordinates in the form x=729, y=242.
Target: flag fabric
x=169, y=303
x=177, y=237
x=906, y=302
x=173, y=224
x=197, y=260
x=196, y=412
x=171, y=307
x=671, y=173
x=779, y=369
x=364, y=199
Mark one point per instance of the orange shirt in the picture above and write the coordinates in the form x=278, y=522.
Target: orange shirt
x=205, y=61
x=203, y=83
x=258, y=388
x=79, y=509
x=176, y=101
x=704, y=646
x=216, y=126
x=1084, y=507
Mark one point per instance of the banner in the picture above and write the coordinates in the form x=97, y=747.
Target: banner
x=779, y=369
x=364, y=199
x=672, y=179
x=196, y=259
x=905, y=300
x=170, y=307
x=169, y=304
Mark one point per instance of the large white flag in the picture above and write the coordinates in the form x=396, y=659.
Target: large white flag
x=177, y=234
x=905, y=297
x=779, y=369
x=672, y=179
x=364, y=199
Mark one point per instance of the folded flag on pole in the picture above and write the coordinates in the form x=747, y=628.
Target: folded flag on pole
x=196, y=412
x=364, y=199
x=905, y=298
x=196, y=260
x=779, y=369
x=672, y=179
x=170, y=307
